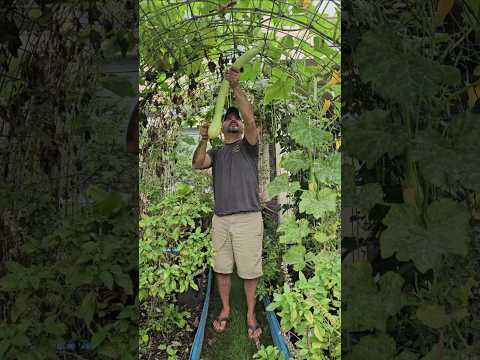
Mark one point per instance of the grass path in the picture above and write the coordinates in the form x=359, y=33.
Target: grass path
x=234, y=343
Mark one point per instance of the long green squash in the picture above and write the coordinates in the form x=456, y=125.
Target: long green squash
x=214, y=129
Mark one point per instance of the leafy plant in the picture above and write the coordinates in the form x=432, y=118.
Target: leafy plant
x=408, y=176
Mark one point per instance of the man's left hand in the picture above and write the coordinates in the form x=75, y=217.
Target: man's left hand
x=233, y=77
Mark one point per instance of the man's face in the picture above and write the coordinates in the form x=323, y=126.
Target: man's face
x=232, y=124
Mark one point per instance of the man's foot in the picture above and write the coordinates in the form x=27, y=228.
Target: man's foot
x=254, y=331
x=220, y=323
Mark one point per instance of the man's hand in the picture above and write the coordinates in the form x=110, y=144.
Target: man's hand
x=204, y=131
x=201, y=160
x=233, y=77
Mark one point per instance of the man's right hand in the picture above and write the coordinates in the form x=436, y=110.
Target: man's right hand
x=204, y=131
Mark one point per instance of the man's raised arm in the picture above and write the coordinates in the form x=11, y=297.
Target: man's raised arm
x=246, y=109
x=201, y=160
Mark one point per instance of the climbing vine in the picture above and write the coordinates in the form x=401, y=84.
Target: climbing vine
x=411, y=176
x=294, y=84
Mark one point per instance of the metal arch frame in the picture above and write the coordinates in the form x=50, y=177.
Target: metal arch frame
x=167, y=8
x=221, y=23
x=306, y=52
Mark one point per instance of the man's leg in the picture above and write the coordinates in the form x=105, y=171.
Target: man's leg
x=250, y=286
x=247, y=230
x=223, y=266
x=224, y=284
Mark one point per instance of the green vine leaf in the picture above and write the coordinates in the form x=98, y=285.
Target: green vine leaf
x=296, y=256
x=318, y=204
x=282, y=184
x=293, y=231
x=295, y=161
x=373, y=347
x=363, y=196
x=54, y=327
x=308, y=135
x=397, y=74
x=368, y=304
x=87, y=308
x=443, y=162
x=446, y=232
x=278, y=89
x=250, y=71
x=327, y=170
x=433, y=315
x=374, y=135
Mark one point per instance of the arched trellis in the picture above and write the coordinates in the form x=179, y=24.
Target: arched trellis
x=185, y=40
x=236, y=34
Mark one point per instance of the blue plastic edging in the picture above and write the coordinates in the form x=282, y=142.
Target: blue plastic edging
x=72, y=345
x=275, y=330
x=170, y=250
x=198, y=341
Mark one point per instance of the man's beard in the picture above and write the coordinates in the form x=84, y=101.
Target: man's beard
x=233, y=130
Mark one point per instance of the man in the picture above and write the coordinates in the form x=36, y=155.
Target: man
x=237, y=225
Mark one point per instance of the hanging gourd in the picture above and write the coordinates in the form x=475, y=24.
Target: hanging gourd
x=214, y=129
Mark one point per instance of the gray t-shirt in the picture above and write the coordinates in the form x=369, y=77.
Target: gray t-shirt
x=235, y=178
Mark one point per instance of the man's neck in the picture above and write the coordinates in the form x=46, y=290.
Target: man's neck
x=231, y=138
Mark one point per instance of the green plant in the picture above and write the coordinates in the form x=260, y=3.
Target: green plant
x=269, y=353
x=411, y=141
x=174, y=250
x=87, y=283
x=310, y=306
x=169, y=350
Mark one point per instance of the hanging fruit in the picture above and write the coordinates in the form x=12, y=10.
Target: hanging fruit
x=214, y=129
x=211, y=66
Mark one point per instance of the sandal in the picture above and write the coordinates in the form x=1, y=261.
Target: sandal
x=254, y=328
x=219, y=321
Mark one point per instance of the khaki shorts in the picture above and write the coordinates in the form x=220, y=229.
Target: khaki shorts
x=237, y=238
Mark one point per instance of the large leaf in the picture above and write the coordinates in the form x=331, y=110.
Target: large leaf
x=54, y=327
x=397, y=74
x=446, y=232
x=328, y=170
x=295, y=161
x=87, y=308
x=318, y=203
x=281, y=184
x=306, y=134
x=372, y=136
x=445, y=162
x=278, y=89
x=250, y=71
x=295, y=256
x=373, y=347
x=368, y=305
x=363, y=196
x=436, y=317
x=293, y=231
x=433, y=316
